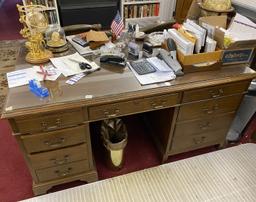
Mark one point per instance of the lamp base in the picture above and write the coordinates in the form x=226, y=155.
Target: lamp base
x=43, y=57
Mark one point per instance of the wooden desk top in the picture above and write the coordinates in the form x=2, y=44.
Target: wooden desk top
x=110, y=84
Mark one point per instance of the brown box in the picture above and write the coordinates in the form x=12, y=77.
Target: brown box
x=200, y=61
x=237, y=52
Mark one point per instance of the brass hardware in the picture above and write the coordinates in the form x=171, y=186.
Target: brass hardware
x=57, y=125
x=205, y=126
x=199, y=140
x=216, y=94
x=210, y=111
x=60, y=161
x=56, y=143
x=63, y=173
x=107, y=115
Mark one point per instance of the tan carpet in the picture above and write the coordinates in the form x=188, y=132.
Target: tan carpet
x=224, y=175
x=9, y=50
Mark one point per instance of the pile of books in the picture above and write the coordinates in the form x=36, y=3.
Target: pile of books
x=47, y=3
x=141, y=10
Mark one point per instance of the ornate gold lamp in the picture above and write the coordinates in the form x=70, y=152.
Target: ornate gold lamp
x=35, y=23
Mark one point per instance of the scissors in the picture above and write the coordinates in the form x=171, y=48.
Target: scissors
x=82, y=65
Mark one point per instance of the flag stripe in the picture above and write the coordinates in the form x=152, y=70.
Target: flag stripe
x=117, y=24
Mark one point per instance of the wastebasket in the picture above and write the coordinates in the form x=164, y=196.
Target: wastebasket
x=114, y=136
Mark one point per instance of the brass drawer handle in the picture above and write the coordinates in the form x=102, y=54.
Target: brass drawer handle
x=60, y=161
x=108, y=115
x=211, y=111
x=162, y=105
x=205, y=126
x=199, y=140
x=55, y=143
x=45, y=126
x=216, y=94
x=63, y=173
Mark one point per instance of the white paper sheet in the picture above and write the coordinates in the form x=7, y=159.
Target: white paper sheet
x=242, y=28
x=155, y=77
x=22, y=77
x=55, y=73
x=68, y=67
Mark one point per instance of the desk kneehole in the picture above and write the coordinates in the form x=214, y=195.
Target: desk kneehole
x=134, y=106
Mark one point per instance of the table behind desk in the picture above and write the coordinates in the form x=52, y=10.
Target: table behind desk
x=187, y=113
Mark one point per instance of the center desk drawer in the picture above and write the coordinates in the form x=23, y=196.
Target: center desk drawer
x=66, y=170
x=54, y=140
x=58, y=157
x=129, y=107
x=215, y=92
x=210, y=108
x=48, y=122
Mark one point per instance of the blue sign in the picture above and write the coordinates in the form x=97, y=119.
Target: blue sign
x=237, y=56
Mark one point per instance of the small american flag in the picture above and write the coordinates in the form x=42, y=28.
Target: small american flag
x=117, y=24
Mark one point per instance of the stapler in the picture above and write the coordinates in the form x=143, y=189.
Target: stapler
x=113, y=59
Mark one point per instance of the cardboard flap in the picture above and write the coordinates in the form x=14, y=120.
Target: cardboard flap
x=216, y=21
x=219, y=37
x=243, y=44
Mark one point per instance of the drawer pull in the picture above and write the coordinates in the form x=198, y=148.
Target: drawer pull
x=199, y=140
x=55, y=143
x=63, y=173
x=155, y=106
x=45, y=126
x=205, y=126
x=211, y=111
x=60, y=161
x=107, y=115
x=216, y=94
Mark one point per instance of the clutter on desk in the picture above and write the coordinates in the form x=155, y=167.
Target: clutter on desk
x=95, y=38
x=23, y=76
x=151, y=70
x=75, y=79
x=36, y=88
x=56, y=39
x=70, y=65
x=35, y=24
x=113, y=59
x=133, y=49
x=80, y=49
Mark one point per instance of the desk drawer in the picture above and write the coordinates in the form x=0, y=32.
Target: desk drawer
x=188, y=143
x=139, y=105
x=209, y=108
x=58, y=157
x=62, y=171
x=48, y=122
x=200, y=126
x=215, y=92
x=54, y=140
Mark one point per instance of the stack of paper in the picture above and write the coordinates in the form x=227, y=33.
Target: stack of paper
x=210, y=45
x=68, y=67
x=198, y=31
x=163, y=72
x=184, y=45
x=80, y=49
x=242, y=29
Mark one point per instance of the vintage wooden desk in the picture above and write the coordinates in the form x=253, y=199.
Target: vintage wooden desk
x=188, y=113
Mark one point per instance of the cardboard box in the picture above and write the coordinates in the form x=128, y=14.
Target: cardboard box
x=237, y=52
x=200, y=62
